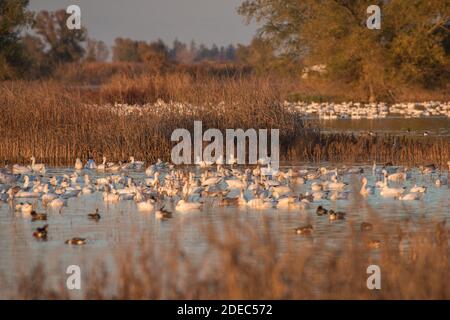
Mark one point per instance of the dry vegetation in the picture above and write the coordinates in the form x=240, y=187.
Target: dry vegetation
x=53, y=122
x=241, y=263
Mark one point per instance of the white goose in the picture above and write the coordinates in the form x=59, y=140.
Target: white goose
x=146, y=205
x=102, y=166
x=37, y=167
x=411, y=196
x=78, y=164
x=365, y=189
x=18, y=169
x=57, y=203
x=388, y=192
x=184, y=206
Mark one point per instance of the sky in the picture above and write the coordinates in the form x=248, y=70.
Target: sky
x=205, y=21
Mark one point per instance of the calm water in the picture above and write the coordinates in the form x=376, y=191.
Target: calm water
x=121, y=224
x=435, y=126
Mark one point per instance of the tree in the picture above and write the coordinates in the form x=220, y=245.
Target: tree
x=64, y=45
x=13, y=18
x=409, y=45
x=34, y=48
x=96, y=51
x=125, y=50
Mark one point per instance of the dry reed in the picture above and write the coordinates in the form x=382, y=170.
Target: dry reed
x=53, y=123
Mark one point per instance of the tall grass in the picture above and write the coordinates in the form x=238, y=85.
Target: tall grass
x=56, y=124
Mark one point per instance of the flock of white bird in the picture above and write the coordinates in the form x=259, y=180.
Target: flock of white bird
x=166, y=188
x=324, y=110
x=356, y=110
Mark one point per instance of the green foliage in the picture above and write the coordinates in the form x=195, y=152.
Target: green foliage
x=64, y=45
x=13, y=18
x=412, y=45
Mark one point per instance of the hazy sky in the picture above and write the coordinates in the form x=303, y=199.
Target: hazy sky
x=205, y=21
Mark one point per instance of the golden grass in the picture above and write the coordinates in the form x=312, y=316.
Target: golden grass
x=241, y=263
x=52, y=122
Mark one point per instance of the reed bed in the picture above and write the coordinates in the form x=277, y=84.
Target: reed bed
x=240, y=262
x=57, y=124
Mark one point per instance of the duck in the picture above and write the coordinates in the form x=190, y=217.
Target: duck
x=38, y=216
x=304, y=230
x=41, y=233
x=163, y=214
x=320, y=211
x=366, y=226
x=76, y=241
x=339, y=215
x=441, y=180
x=94, y=216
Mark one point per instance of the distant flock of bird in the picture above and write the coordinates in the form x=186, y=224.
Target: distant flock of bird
x=356, y=110
x=166, y=188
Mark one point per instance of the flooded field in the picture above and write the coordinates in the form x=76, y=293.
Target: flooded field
x=122, y=224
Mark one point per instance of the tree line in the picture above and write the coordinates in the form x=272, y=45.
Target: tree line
x=412, y=46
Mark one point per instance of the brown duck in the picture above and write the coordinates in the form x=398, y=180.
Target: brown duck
x=41, y=233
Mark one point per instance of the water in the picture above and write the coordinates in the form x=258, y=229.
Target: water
x=433, y=126
x=122, y=225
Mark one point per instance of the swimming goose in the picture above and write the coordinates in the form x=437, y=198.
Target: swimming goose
x=90, y=164
x=57, y=203
x=37, y=167
x=48, y=196
x=398, y=176
x=365, y=189
x=102, y=166
x=386, y=191
x=78, y=164
x=110, y=194
x=18, y=169
x=417, y=189
x=411, y=196
x=133, y=164
x=184, y=206
x=335, y=185
x=25, y=208
x=146, y=205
